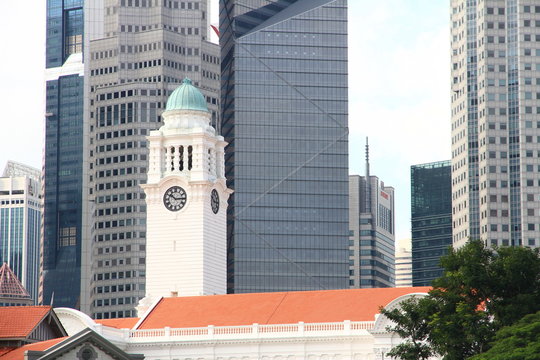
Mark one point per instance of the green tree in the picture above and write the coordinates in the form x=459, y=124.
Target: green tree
x=482, y=289
x=411, y=324
x=459, y=326
x=517, y=342
x=515, y=284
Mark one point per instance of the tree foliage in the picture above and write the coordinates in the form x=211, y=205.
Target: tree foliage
x=412, y=326
x=481, y=290
x=517, y=342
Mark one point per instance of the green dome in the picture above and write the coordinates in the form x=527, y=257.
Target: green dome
x=186, y=97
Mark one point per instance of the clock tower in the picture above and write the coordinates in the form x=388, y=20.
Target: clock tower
x=186, y=197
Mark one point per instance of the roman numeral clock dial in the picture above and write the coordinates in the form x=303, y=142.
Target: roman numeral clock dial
x=175, y=198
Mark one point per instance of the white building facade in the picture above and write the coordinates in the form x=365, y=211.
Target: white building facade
x=404, y=263
x=331, y=339
x=495, y=127
x=186, y=198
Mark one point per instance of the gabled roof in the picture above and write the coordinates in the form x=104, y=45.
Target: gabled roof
x=272, y=308
x=125, y=323
x=19, y=321
x=64, y=345
x=10, y=286
x=18, y=354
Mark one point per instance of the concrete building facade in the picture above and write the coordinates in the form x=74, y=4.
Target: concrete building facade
x=404, y=266
x=146, y=48
x=372, y=231
x=495, y=143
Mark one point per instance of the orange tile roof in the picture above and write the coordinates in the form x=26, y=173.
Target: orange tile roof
x=19, y=321
x=18, y=354
x=4, y=350
x=125, y=323
x=273, y=308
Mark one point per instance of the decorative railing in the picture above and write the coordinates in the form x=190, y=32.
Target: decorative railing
x=255, y=331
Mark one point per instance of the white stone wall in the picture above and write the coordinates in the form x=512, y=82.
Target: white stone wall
x=186, y=252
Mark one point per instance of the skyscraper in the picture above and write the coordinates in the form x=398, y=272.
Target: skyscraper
x=20, y=220
x=64, y=224
x=284, y=115
x=146, y=48
x=99, y=112
x=372, y=231
x=495, y=148
x=431, y=219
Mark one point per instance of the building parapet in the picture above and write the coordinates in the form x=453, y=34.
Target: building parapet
x=255, y=331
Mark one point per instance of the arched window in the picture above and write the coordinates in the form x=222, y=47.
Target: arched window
x=172, y=158
x=210, y=161
x=190, y=157
x=181, y=158
x=87, y=353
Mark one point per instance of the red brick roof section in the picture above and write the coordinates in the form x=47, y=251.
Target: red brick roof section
x=4, y=350
x=19, y=321
x=273, y=308
x=18, y=354
x=125, y=323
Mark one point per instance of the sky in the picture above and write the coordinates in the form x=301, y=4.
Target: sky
x=399, y=90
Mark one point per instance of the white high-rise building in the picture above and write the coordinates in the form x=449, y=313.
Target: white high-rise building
x=403, y=263
x=495, y=121
x=186, y=197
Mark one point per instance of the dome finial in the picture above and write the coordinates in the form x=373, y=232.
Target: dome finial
x=187, y=81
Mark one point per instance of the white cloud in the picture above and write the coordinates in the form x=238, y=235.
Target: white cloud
x=399, y=95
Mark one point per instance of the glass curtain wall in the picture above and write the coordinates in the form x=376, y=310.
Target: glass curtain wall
x=284, y=115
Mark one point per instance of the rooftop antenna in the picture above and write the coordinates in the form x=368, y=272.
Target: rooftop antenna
x=367, y=157
x=368, y=180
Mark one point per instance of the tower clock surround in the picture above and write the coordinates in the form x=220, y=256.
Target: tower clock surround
x=186, y=197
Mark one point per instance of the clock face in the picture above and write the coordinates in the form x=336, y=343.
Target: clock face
x=175, y=198
x=214, y=201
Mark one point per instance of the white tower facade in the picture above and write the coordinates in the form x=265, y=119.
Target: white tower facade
x=186, y=196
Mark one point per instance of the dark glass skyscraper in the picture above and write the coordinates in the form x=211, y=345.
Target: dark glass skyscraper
x=284, y=115
x=63, y=161
x=431, y=210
